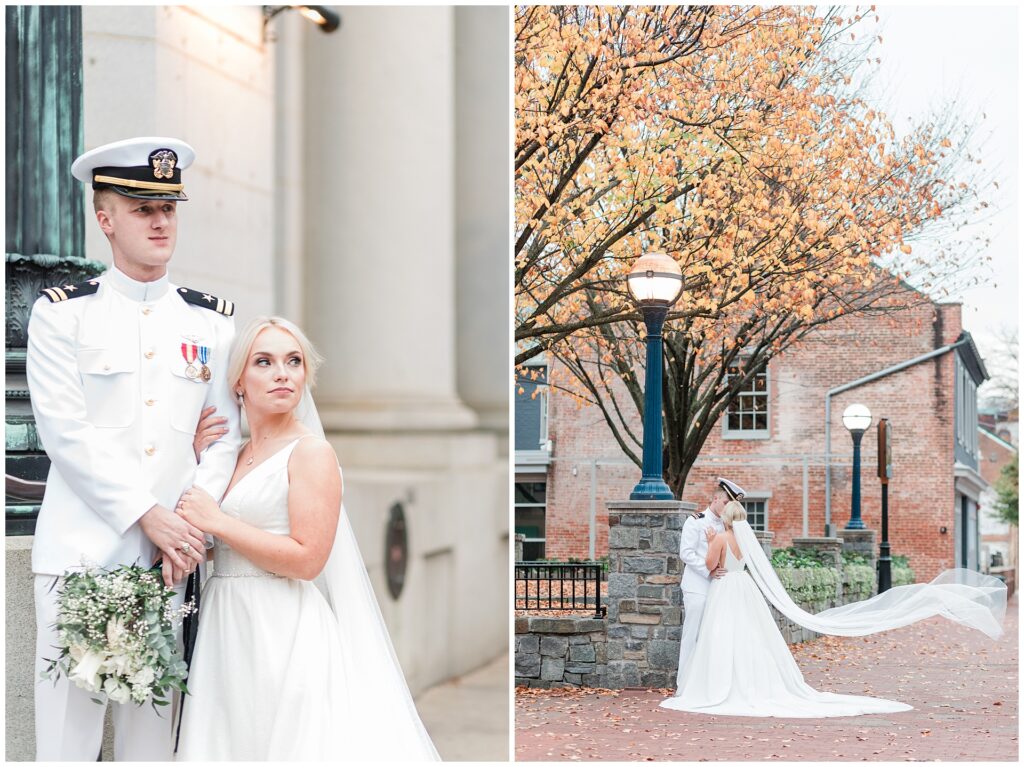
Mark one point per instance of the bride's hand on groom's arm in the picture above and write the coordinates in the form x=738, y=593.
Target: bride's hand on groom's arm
x=209, y=429
x=198, y=508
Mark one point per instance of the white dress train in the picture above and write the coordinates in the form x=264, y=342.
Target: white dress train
x=742, y=666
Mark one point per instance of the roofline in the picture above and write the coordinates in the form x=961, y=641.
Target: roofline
x=975, y=356
x=998, y=439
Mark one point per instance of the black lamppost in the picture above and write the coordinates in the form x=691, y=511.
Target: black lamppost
x=856, y=418
x=655, y=284
x=884, y=474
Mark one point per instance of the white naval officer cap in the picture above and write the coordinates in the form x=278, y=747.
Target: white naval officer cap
x=146, y=168
x=734, y=491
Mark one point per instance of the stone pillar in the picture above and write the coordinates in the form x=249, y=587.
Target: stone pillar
x=645, y=613
x=482, y=205
x=860, y=542
x=380, y=161
x=765, y=537
x=520, y=539
x=828, y=550
x=381, y=293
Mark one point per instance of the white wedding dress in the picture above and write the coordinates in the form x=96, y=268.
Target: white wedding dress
x=742, y=666
x=274, y=676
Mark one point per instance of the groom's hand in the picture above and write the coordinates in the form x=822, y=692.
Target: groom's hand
x=171, y=573
x=169, y=533
x=718, y=572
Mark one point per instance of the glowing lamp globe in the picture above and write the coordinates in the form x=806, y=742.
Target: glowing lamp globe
x=656, y=280
x=857, y=418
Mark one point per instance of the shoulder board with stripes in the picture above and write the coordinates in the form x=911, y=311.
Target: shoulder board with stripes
x=700, y=515
x=59, y=293
x=205, y=300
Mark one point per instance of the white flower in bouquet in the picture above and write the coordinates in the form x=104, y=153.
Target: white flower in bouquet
x=144, y=677
x=86, y=672
x=116, y=691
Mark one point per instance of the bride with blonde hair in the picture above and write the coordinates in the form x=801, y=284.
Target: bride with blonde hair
x=293, y=661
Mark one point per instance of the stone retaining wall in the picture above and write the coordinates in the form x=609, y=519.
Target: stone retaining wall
x=561, y=652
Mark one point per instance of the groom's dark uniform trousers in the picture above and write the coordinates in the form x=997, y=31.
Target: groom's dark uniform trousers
x=119, y=372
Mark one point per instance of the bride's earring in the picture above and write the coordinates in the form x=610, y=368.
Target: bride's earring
x=240, y=397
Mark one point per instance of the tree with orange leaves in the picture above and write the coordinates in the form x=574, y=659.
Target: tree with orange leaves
x=734, y=139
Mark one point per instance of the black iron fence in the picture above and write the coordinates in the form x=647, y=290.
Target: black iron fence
x=559, y=586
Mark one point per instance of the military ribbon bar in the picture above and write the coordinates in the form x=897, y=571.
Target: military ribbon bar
x=189, y=352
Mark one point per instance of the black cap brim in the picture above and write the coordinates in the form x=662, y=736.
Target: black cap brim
x=140, y=195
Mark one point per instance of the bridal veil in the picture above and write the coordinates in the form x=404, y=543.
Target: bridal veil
x=967, y=597
x=384, y=724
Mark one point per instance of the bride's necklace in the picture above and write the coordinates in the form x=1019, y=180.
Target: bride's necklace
x=252, y=447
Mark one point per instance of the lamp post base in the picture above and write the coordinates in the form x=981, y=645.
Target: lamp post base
x=855, y=524
x=651, y=489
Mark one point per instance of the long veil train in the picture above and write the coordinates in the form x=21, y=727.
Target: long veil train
x=384, y=724
x=964, y=596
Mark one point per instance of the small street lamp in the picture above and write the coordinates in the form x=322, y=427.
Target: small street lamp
x=857, y=419
x=655, y=284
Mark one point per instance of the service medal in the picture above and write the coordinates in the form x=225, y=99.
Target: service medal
x=204, y=355
x=189, y=352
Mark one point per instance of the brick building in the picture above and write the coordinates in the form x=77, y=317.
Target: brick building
x=772, y=441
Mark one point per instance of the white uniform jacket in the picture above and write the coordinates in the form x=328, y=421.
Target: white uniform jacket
x=116, y=413
x=693, y=550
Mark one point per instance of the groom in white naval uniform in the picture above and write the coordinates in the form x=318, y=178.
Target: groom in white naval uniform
x=693, y=550
x=119, y=369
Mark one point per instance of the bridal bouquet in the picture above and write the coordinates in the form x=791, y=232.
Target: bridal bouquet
x=116, y=635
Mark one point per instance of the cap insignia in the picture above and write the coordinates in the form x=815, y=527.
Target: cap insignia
x=163, y=161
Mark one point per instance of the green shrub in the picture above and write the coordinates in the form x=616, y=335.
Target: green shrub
x=902, y=576
x=795, y=558
x=854, y=558
x=815, y=583
x=858, y=581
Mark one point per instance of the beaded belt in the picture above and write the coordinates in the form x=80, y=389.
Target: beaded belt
x=230, y=564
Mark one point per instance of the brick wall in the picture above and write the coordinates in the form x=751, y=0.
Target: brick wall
x=918, y=402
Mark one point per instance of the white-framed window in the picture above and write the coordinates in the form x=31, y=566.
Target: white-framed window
x=531, y=408
x=530, y=512
x=966, y=409
x=757, y=512
x=747, y=415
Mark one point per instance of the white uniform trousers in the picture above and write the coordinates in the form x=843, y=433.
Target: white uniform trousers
x=69, y=725
x=693, y=612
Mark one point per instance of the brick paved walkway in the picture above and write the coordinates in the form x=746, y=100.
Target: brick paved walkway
x=962, y=685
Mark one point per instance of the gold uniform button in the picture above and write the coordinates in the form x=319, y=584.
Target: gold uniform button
x=150, y=402
x=150, y=450
x=149, y=355
x=106, y=367
x=146, y=310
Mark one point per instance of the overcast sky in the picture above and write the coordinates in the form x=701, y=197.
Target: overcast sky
x=934, y=53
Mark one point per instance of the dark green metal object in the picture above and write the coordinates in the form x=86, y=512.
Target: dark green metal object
x=45, y=221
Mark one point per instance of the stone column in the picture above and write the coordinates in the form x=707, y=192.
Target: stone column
x=645, y=611
x=482, y=205
x=764, y=537
x=379, y=170
x=828, y=550
x=520, y=539
x=860, y=542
